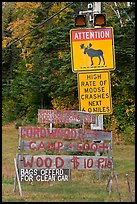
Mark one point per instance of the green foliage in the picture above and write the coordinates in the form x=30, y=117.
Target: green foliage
x=9, y=113
x=123, y=77
x=7, y=181
x=37, y=71
x=82, y=153
x=128, y=135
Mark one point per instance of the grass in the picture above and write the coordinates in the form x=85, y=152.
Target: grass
x=83, y=185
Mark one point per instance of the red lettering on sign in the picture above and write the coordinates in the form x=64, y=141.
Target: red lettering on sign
x=100, y=161
x=79, y=146
x=94, y=147
x=73, y=134
x=91, y=34
x=42, y=132
x=88, y=163
x=51, y=145
x=109, y=164
x=39, y=162
x=103, y=147
x=66, y=133
x=29, y=132
x=86, y=147
x=41, y=146
x=104, y=163
x=59, y=162
x=23, y=133
x=26, y=132
x=31, y=144
x=53, y=134
x=48, y=160
x=64, y=116
x=28, y=163
x=60, y=144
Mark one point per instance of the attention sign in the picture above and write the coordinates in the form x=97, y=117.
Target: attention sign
x=95, y=92
x=92, y=49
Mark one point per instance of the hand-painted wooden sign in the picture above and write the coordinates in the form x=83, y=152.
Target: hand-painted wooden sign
x=61, y=146
x=65, y=116
x=64, y=133
x=64, y=162
x=31, y=167
x=59, y=134
x=92, y=49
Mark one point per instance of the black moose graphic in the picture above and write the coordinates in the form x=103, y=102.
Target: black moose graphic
x=93, y=53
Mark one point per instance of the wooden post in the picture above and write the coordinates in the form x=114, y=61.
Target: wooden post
x=117, y=185
x=70, y=173
x=109, y=184
x=99, y=173
x=50, y=127
x=51, y=123
x=17, y=175
x=129, y=189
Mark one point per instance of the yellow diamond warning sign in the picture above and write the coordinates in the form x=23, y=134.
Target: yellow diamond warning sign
x=94, y=90
x=92, y=49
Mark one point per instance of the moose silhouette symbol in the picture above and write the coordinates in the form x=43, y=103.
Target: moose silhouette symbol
x=93, y=53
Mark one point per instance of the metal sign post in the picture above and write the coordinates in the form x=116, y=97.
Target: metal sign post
x=83, y=40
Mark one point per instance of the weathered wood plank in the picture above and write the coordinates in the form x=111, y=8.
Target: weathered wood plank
x=65, y=116
x=60, y=146
x=64, y=133
x=64, y=162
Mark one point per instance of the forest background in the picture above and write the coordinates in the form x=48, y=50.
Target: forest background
x=37, y=73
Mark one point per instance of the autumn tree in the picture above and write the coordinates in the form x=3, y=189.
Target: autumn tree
x=37, y=69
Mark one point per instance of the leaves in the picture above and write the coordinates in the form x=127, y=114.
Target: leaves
x=37, y=69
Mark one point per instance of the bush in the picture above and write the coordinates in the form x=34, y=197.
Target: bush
x=8, y=112
x=129, y=135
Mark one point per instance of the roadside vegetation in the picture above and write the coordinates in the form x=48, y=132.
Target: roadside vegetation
x=83, y=185
x=37, y=74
